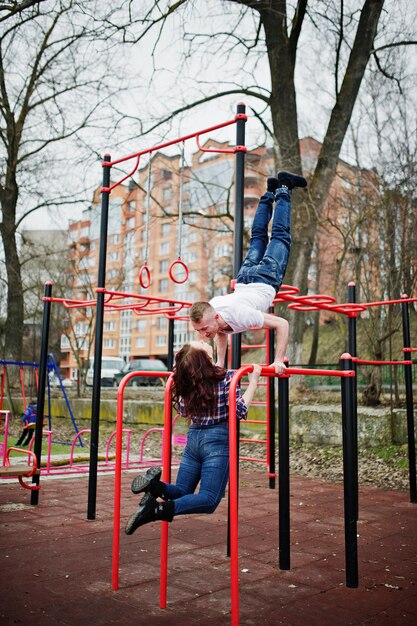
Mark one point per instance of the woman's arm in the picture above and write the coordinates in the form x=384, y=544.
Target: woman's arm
x=253, y=378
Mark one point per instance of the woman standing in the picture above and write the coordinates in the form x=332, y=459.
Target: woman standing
x=201, y=395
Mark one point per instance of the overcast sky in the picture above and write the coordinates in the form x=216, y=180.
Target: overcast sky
x=159, y=89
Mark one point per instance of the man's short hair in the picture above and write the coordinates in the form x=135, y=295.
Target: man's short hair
x=197, y=311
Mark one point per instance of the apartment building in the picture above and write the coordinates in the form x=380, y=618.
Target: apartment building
x=144, y=228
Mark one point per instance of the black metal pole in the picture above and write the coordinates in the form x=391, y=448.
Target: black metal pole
x=271, y=416
x=98, y=344
x=284, y=472
x=40, y=406
x=409, y=403
x=349, y=464
x=352, y=349
x=171, y=335
x=238, y=224
x=238, y=250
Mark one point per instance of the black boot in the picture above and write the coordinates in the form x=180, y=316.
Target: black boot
x=149, y=482
x=272, y=184
x=150, y=510
x=286, y=179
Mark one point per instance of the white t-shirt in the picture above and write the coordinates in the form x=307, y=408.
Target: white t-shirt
x=243, y=308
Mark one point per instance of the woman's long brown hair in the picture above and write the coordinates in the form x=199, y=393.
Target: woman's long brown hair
x=195, y=380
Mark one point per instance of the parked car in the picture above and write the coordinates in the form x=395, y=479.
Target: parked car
x=141, y=365
x=55, y=382
x=110, y=365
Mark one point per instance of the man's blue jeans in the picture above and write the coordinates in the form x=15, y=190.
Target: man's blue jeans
x=206, y=460
x=266, y=263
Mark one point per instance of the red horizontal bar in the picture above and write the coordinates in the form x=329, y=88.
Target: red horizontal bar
x=172, y=142
x=369, y=362
x=248, y=458
x=298, y=371
x=253, y=440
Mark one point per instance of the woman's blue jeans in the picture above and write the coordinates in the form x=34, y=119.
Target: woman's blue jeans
x=266, y=262
x=206, y=460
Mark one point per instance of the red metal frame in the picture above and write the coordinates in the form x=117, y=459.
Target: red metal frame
x=138, y=307
x=118, y=465
x=315, y=302
x=233, y=471
x=195, y=135
x=356, y=359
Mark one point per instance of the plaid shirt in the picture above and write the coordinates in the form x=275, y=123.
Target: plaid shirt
x=222, y=409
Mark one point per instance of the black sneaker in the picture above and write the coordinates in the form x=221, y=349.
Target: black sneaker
x=145, y=513
x=272, y=184
x=286, y=179
x=142, y=481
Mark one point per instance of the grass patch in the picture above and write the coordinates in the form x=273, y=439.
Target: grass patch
x=395, y=455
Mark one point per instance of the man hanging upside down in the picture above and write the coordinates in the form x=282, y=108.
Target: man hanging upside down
x=259, y=278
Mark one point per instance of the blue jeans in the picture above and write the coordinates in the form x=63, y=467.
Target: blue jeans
x=206, y=460
x=266, y=263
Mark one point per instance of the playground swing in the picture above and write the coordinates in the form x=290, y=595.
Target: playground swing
x=33, y=381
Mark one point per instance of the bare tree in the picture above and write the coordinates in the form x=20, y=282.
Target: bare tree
x=50, y=91
x=274, y=30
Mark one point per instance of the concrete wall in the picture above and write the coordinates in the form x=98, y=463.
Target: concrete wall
x=309, y=424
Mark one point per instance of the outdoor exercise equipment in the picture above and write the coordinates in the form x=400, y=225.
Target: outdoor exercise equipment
x=346, y=374
x=178, y=263
x=144, y=272
x=111, y=299
x=269, y=404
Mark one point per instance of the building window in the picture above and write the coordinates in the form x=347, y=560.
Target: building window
x=163, y=285
x=164, y=248
x=162, y=323
x=109, y=343
x=166, y=194
x=165, y=230
x=163, y=266
x=140, y=342
x=161, y=340
x=141, y=326
x=109, y=326
x=130, y=223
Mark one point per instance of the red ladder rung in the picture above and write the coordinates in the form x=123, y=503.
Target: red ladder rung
x=253, y=440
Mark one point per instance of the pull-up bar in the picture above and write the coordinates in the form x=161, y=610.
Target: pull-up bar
x=166, y=144
x=346, y=375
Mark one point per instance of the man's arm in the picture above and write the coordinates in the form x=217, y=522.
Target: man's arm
x=281, y=328
x=221, y=347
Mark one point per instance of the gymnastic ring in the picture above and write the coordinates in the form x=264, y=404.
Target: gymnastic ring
x=171, y=269
x=144, y=276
